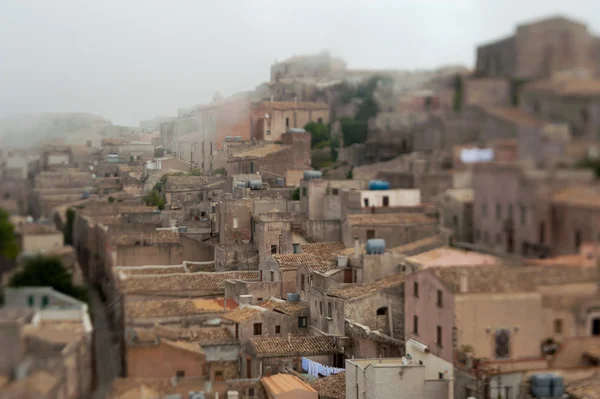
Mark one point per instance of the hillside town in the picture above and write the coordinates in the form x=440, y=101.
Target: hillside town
x=332, y=233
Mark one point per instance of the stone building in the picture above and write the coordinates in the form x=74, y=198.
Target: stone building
x=321, y=65
x=463, y=309
x=539, y=50
x=288, y=160
x=395, y=228
x=270, y=119
x=456, y=207
x=321, y=199
x=36, y=238
x=513, y=209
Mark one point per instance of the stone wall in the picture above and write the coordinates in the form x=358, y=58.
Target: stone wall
x=322, y=230
x=162, y=361
x=149, y=255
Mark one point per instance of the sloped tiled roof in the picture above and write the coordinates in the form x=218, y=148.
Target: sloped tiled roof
x=185, y=346
x=588, y=388
x=500, y=278
x=182, y=282
x=175, y=307
x=243, y=314
x=578, y=196
x=312, y=262
x=515, y=115
x=350, y=291
x=332, y=387
x=419, y=246
x=566, y=87
x=284, y=383
x=285, y=307
x=301, y=345
x=389, y=219
x=260, y=152
x=572, y=351
x=40, y=383
x=202, y=335
x=448, y=256
x=323, y=250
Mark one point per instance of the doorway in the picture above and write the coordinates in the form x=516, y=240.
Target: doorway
x=595, y=327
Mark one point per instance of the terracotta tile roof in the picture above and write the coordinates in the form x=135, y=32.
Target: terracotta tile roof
x=448, y=256
x=37, y=228
x=213, y=282
x=185, y=181
x=419, y=246
x=56, y=333
x=310, y=261
x=175, y=307
x=120, y=386
x=323, y=250
x=514, y=115
x=350, y=291
x=499, y=278
x=156, y=237
x=303, y=345
x=578, y=196
x=290, y=105
x=588, y=388
x=285, y=384
x=39, y=382
x=260, y=152
x=137, y=270
x=143, y=335
x=185, y=345
x=202, y=336
x=332, y=387
x=566, y=87
x=131, y=168
x=389, y=219
x=243, y=314
x=285, y=307
x=572, y=351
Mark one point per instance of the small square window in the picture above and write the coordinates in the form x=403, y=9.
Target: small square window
x=366, y=202
x=180, y=373
x=273, y=249
x=334, y=191
x=304, y=191
x=302, y=322
x=386, y=201
x=321, y=308
x=277, y=329
x=416, y=289
x=257, y=328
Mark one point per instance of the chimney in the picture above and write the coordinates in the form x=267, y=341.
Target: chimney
x=356, y=246
x=464, y=282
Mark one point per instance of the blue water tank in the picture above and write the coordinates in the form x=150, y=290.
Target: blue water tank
x=547, y=386
x=255, y=184
x=312, y=174
x=293, y=297
x=241, y=184
x=379, y=185
x=85, y=195
x=375, y=246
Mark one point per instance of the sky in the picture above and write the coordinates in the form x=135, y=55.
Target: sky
x=129, y=60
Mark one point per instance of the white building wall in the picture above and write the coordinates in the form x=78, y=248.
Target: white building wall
x=399, y=197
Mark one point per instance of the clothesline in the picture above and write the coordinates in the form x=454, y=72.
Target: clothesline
x=317, y=369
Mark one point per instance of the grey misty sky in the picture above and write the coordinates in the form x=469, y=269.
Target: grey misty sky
x=129, y=60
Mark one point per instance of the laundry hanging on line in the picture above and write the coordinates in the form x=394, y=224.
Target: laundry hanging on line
x=317, y=369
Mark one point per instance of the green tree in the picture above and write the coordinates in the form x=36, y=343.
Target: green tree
x=195, y=172
x=68, y=232
x=47, y=271
x=153, y=198
x=9, y=248
x=334, y=148
x=319, y=133
x=458, y=93
x=354, y=131
x=350, y=174
x=220, y=171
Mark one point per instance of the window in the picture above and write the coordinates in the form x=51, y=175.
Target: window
x=596, y=327
x=296, y=247
x=438, y=340
x=366, y=201
x=441, y=376
x=277, y=329
x=251, y=392
x=416, y=289
x=272, y=275
x=30, y=300
x=370, y=234
x=219, y=375
x=259, y=299
x=273, y=249
x=321, y=308
x=302, y=322
x=386, y=201
x=304, y=191
x=416, y=325
x=334, y=191
x=302, y=282
x=558, y=326
x=498, y=211
x=235, y=222
x=287, y=122
x=440, y=298
x=268, y=132
x=502, y=343
x=257, y=328
x=320, y=120
x=45, y=301
x=484, y=210
x=329, y=311
x=180, y=373
x=577, y=239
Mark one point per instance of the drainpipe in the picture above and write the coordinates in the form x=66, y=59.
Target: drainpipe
x=390, y=320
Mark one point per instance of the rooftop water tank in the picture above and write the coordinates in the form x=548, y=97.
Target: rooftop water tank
x=312, y=174
x=241, y=184
x=547, y=385
x=255, y=184
x=182, y=229
x=296, y=130
x=379, y=185
x=228, y=138
x=293, y=297
x=237, y=138
x=85, y=195
x=280, y=181
x=375, y=246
